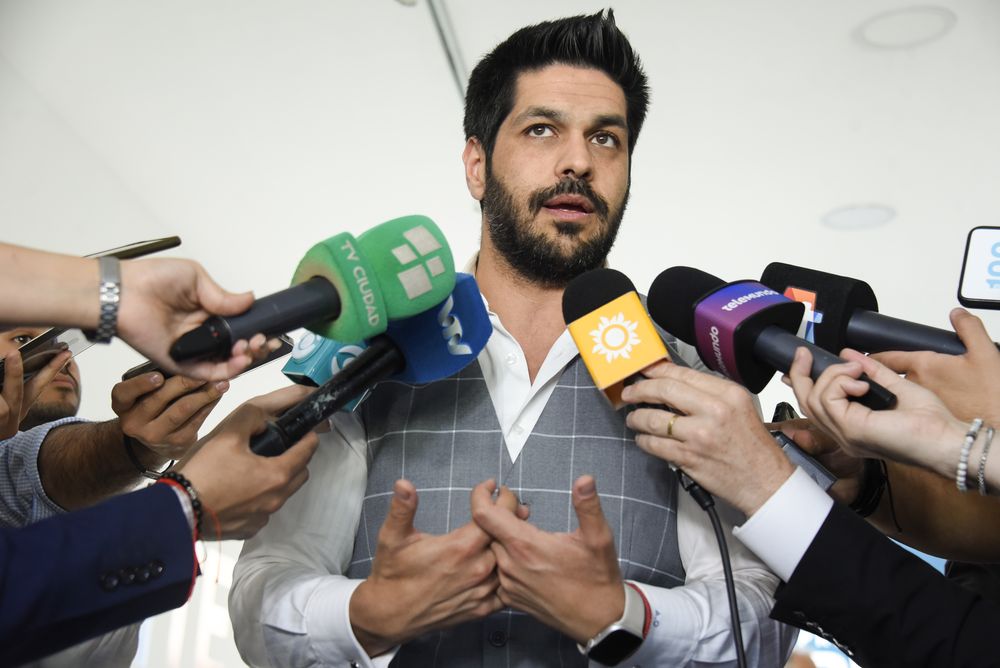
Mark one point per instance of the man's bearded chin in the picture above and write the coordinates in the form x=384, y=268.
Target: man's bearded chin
x=530, y=253
x=43, y=413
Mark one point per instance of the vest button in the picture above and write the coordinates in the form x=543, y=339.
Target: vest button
x=497, y=638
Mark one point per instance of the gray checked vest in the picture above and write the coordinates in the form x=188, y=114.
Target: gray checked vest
x=445, y=438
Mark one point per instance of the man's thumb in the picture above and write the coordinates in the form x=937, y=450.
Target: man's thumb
x=399, y=522
x=587, y=504
x=217, y=301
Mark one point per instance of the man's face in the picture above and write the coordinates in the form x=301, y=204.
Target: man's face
x=61, y=397
x=557, y=183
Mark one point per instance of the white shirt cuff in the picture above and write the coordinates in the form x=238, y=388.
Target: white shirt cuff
x=783, y=528
x=329, y=609
x=673, y=629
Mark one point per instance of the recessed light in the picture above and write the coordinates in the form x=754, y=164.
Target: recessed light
x=906, y=28
x=859, y=216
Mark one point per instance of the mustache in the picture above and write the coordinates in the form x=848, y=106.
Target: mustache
x=569, y=186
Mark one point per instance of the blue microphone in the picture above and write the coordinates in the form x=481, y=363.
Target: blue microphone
x=443, y=340
x=316, y=359
x=423, y=348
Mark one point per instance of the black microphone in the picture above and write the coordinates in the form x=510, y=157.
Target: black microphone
x=316, y=299
x=847, y=314
x=381, y=359
x=742, y=330
x=426, y=347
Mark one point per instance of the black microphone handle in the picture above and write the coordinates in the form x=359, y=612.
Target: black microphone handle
x=873, y=332
x=777, y=347
x=380, y=360
x=294, y=307
x=315, y=300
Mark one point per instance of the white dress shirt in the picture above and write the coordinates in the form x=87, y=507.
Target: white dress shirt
x=289, y=602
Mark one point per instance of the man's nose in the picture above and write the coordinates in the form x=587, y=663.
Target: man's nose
x=575, y=160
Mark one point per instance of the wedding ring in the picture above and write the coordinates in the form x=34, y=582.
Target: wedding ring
x=670, y=425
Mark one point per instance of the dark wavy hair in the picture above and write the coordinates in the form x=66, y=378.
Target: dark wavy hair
x=586, y=41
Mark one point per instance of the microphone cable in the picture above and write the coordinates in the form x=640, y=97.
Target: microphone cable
x=707, y=503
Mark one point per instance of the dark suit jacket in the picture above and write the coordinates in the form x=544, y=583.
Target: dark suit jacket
x=883, y=605
x=72, y=577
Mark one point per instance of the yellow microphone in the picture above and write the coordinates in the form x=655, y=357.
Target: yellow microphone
x=611, y=328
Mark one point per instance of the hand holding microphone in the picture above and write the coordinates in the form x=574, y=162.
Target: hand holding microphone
x=344, y=288
x=968, y=384
x=717, y=438
x=920, y=431
x=240, y=489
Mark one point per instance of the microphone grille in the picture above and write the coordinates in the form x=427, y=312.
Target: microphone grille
x=673, y=296
x=591, y=290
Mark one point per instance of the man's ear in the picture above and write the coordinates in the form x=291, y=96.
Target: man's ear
x=474, y=158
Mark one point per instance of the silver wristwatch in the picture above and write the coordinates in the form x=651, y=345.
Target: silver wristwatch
x=110, y=293
x=621, y=638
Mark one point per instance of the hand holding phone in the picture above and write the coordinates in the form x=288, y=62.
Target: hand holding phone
x=17, y=395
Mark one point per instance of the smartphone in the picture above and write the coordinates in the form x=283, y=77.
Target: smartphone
x=979, y=283
x=821, y=476
x=285, y=346
x=37, y=352
x=139, y=248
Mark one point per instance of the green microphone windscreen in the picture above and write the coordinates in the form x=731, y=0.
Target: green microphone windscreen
x=341, y=261
x=412, y=263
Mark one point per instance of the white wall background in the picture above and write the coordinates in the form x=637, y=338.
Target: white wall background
x=252, y=129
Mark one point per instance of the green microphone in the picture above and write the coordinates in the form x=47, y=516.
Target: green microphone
x=395, y=270
x=345, y=288
x=413, y=262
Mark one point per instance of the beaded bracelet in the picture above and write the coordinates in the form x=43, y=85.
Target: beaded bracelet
x=179, y=479
x=982, y=462
x=962, y=472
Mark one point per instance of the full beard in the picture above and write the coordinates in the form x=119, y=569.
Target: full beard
x=531, y=253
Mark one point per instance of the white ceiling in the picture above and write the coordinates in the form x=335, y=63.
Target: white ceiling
x=254, y=128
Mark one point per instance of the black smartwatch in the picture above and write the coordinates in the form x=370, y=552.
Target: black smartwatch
x=621, y=638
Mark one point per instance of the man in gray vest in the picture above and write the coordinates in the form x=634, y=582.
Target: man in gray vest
x=400, y=549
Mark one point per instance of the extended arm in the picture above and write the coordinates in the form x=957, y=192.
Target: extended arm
x=160, y=300
x=81, y=464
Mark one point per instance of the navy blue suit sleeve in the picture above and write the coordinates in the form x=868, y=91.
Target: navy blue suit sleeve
x=76, y=576
x=882, y=604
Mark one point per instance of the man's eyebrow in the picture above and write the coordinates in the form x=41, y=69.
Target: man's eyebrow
x=612, y=120
x=602, y=121
x=540, y=112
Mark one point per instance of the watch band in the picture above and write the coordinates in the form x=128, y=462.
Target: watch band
x=110, y=295
x=130, y=444
x=621, y=638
